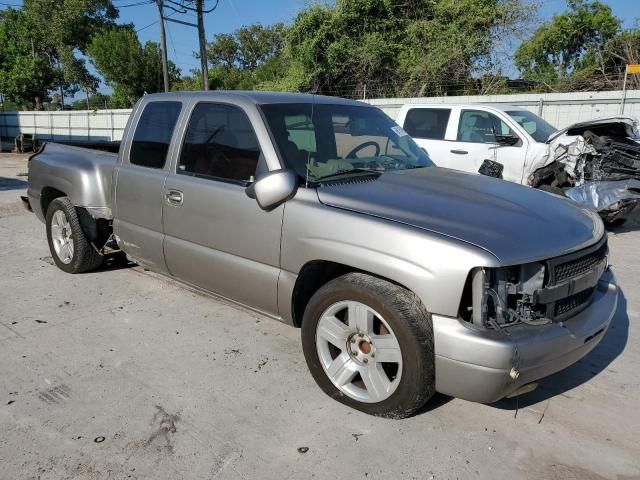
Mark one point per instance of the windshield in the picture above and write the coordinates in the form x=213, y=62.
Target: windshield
x=535, y=126
x=323, y=141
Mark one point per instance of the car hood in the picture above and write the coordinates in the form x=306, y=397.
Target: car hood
x=628, y=124
x=516, y=224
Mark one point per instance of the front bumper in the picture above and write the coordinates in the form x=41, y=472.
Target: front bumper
x=479, y=365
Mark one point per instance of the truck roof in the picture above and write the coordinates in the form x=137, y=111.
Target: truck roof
x=259, y=98
x=495, y=106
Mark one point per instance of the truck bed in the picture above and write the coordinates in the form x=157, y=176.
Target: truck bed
x=82, y=174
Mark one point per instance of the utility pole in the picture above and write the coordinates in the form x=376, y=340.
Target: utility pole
x=203, y=46
x=163, y=46
x=197, y=6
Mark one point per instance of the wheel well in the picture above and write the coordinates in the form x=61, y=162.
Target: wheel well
x=48, y=195
x=311, y=278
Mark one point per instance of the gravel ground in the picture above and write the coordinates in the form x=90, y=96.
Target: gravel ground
x=121, y=374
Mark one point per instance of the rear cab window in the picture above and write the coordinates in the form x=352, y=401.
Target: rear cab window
x=427, y=123
x=152, y=137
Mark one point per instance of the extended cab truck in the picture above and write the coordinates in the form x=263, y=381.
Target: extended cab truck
x=596, y=163
x=405, y=278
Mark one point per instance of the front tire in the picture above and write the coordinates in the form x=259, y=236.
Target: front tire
x=369, y=344
x=70, y=249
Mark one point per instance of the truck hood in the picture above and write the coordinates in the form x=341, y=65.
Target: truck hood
x=515, y=223
x=628, y=124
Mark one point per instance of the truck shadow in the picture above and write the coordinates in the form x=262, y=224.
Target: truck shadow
x=115, y=261
x=582, y=371
x=12, y=184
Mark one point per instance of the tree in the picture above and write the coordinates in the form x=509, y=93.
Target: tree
x=127, y=66
x=615, y=55
x=396, y=48
x=65, y=27
x=566, y=48
x=247, y=57
x=26, y=74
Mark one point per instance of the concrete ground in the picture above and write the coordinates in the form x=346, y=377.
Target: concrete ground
x=122, y=374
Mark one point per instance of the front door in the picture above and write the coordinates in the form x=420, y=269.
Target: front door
x=476, y=142
x=216, y=237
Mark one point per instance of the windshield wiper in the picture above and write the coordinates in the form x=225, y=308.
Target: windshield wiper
x=339, y=173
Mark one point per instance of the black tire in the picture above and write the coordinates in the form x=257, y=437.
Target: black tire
x=411, y=324
x=85, y=257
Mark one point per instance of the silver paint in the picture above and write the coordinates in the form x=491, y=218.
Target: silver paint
x=425, y=229
x=342, y=369
x=275, y=188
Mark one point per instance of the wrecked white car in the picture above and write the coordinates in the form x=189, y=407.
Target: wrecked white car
x=595, y=163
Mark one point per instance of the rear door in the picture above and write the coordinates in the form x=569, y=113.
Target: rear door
x=139, y=183
x=428, y=127
x=216, y=237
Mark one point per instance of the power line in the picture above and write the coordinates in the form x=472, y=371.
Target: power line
x=154, y=23
x=172, y=45
x=144, y=2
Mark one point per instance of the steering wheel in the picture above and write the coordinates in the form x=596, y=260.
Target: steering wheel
x=371, y=143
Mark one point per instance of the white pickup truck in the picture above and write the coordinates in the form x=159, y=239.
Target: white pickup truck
x=596, y=163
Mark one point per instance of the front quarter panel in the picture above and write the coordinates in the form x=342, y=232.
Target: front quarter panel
x=433, y=266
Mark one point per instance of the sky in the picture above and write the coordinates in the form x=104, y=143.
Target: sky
x=232, y=14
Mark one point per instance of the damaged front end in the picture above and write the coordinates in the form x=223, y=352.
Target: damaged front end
x=534, y=293
x=596, y=164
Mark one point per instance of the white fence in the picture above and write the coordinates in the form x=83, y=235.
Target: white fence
x=95, y=126
x=559, y=109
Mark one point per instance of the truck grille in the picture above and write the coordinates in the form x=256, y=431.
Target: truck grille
x=578, y=266
x=571, y=305
x=564, y=269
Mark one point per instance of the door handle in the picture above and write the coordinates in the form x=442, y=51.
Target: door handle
x=174, y=197
x=459, y=152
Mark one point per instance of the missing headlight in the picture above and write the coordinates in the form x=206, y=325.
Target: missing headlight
x=504, y=296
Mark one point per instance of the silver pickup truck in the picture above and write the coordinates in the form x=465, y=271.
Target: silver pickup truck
x=405, y=279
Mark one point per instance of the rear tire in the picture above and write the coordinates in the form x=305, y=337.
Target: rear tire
x=369, y=344
x=70, y=249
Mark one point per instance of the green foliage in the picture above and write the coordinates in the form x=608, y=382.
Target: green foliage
x=188, y=83
x=565, y=49
x=26, y=73
x=130, y=68
x=93, y=102
x=40, y=46
x=64, y=28
x=394, y=48
x=246, y=58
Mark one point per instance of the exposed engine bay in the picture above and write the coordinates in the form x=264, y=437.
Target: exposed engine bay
x=534, y=293
x=596, y=164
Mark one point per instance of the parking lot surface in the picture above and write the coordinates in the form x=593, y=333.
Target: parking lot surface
x=122, y=373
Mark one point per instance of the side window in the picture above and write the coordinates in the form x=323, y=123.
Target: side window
x=220, y=143
x=430, y=123
x=153, y=134
x=350, y=140
x=300, y=131
x=481, y=127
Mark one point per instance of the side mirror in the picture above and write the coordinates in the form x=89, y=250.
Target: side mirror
x=507, y=140
x=273, y=189
x=491, y=169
